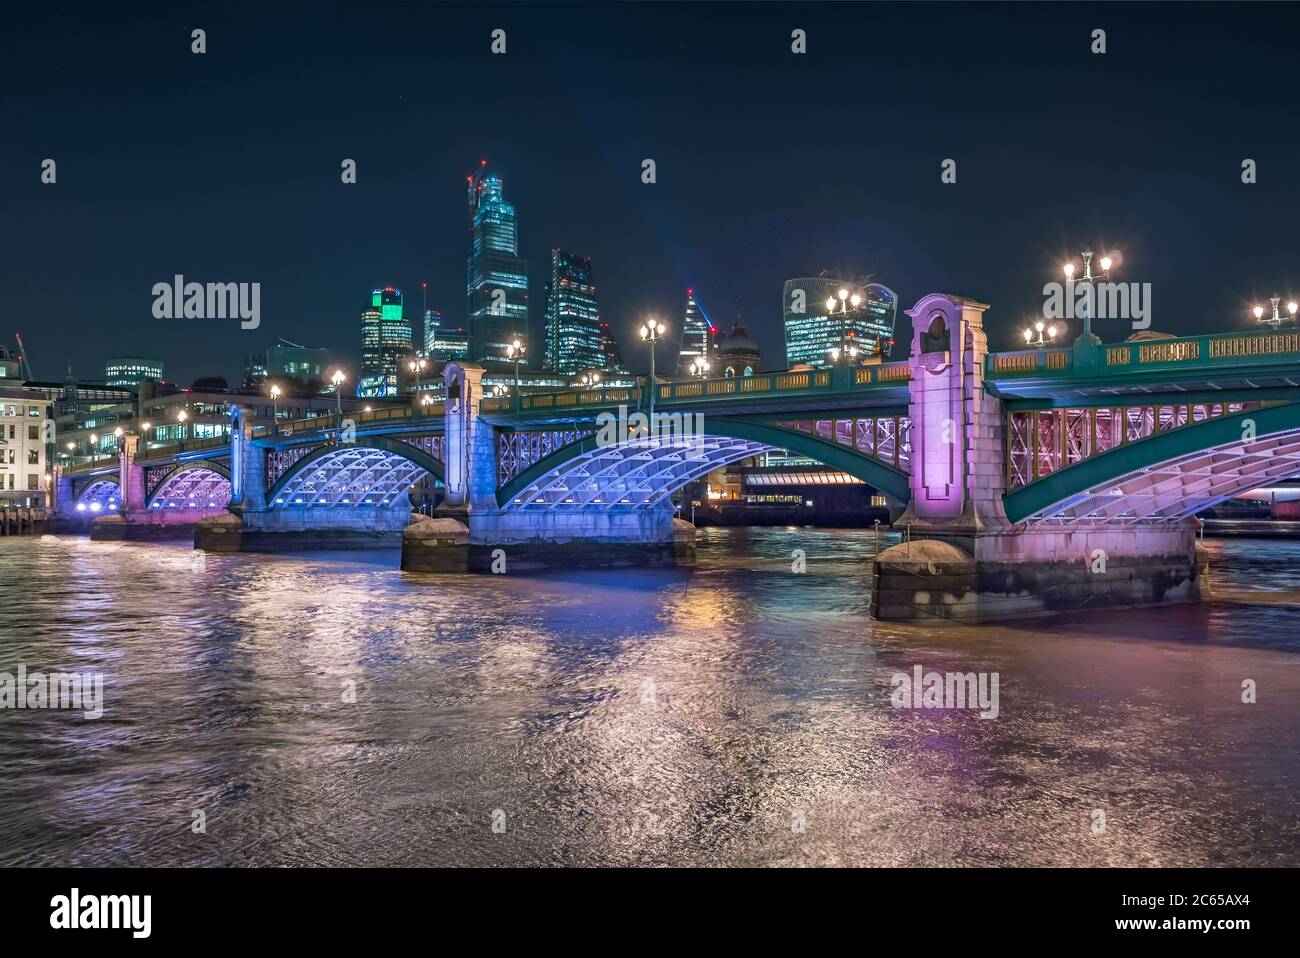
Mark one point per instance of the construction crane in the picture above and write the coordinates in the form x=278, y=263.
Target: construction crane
x=22, y=358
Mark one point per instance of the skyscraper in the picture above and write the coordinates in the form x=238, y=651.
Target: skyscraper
x=576, y=339
x=498, y=276
x=432, y=325
x=609, y=347
x=699, y=337
x=385, y=339
x=443, y=344
x=811, y=332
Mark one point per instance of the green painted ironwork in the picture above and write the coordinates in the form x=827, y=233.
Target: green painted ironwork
x=887, y=479
x=1077, y=479
x=394, y=446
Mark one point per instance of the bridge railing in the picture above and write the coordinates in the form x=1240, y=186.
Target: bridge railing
x=694, y=390
x=1030, y=361
x=1210, y=351
x=156, y=450
x=1224, y=348
x=332, y=420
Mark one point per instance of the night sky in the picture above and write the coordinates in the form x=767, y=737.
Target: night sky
x=226, y=166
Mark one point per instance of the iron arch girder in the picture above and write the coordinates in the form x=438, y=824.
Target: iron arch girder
x=380, y=443
x=353, y=476
x=81, y=483
x=889, y=480
x=1073, y=485
x=100, y=492
x=651, y=474
x=181, y=470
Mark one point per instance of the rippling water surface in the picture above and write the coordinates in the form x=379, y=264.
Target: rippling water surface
x=632, y=718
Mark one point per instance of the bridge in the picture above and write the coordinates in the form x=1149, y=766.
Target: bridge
x=1038, y=480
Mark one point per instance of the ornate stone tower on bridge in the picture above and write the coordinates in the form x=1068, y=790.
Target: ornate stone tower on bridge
x=962, y=558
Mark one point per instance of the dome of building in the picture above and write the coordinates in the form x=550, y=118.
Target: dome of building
x=738, y=352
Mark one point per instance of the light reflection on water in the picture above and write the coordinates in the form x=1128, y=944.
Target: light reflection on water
x=644, y=717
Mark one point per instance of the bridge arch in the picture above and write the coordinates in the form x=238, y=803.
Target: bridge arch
x=197, y=485
x=100, y=496
x=373, y=471
x=1171, y=475
x=643, y=473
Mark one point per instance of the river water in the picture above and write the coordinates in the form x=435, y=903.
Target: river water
x=739, y=714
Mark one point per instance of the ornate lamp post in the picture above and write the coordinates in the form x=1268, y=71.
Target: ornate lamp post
x=846, y=349
x=1276, y=319
x=417, y=366
x=1040, y=328
x=337, y=378
x=515, y=353
x=651, y=332
x=275, y=405
x=850, y=353
x=94, y=444
x=700, y=368
x=590, y=380
x=1105, y=263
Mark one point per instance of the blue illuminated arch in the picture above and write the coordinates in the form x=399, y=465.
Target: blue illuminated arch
x=373, y=471
x=100, y=497
x=197, y=485
x=645, y=472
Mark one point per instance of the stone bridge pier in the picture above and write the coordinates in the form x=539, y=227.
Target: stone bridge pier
x=471, y=531
x=133, y=519
x=254, y=523
x=962, y=558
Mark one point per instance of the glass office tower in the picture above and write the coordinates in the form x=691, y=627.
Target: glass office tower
x=576, y=339
x=498, y=276
x=386, y=339
x=699, y=337
x=442, y=343
x=811, y=332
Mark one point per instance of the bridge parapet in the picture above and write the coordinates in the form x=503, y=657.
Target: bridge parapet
x=788, y=385
x=1149, y=359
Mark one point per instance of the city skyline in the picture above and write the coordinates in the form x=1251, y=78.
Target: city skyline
x=284, y=219
x=780, y=437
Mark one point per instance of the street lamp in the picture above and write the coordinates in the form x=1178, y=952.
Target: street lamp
x=515, y=352
x=144, y=435
x=499, y=390
x=1276, y=319
x=846, y=349
x=651, y=332
x=94, y=441
x=700, y=368
x=118, y=433
x=1040, y=328
x=337, y=379
x=426, y=400
x=417, y=366
x=275, y=404
x=850, y=353
x=590, y=380
x=1106, y=262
